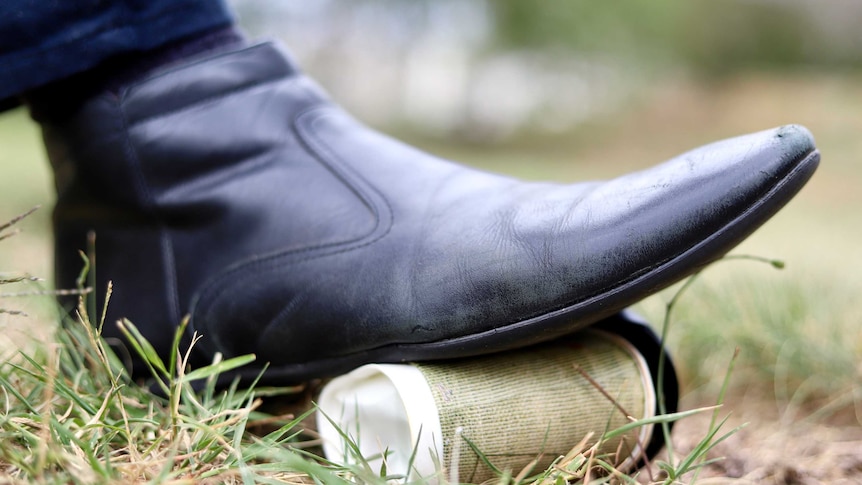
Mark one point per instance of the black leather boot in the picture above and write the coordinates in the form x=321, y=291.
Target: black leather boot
x=233, y=190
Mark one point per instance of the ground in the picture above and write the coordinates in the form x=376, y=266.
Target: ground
x=775, y=449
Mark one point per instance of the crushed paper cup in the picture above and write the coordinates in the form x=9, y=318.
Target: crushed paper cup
x=513, y=407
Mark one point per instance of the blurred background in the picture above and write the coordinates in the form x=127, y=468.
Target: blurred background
x=579, y=90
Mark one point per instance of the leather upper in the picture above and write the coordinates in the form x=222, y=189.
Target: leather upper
x=233, y=190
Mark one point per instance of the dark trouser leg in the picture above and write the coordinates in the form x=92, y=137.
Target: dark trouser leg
x=44, y=42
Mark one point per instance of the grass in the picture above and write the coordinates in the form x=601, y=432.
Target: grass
x=799, y=339
x=71, y=415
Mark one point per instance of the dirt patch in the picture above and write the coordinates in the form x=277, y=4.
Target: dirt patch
x=774, y=449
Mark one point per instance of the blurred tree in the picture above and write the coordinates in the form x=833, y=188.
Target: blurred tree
x=484, y=69
x=712, y=37
x=620, y=27
x=727, y=36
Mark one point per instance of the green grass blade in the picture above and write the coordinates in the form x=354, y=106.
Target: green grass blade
x=222, y=367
